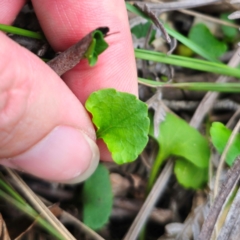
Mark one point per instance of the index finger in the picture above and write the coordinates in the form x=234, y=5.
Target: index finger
x=66, y=21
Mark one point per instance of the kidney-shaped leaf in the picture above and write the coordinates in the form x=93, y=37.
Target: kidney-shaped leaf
x=190, y=176
x=177, y=138
x=97, y=198
x=122, y=122
x=220, y=135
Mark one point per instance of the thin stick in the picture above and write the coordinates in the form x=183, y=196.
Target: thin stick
x=154, y=19
x=233, y=118
x=150, y=202
x=67, y=217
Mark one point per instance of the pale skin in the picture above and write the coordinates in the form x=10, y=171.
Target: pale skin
x=45, y=129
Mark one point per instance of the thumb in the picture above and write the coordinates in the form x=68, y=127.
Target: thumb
x=45, y=131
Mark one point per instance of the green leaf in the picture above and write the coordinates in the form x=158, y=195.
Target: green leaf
x=229, y=32
x=97, y=198
x=190, y=176
x=141, y=30
x=97, y=46
x=202, y=36
x=220, y=135
x=122, y=122
x=177, y=138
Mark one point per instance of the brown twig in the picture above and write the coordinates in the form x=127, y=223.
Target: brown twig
x=154, y=18
x=144, y=8
x=74, y=54
x=71, y=57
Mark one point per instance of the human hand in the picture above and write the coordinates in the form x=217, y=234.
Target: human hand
x=45, y=130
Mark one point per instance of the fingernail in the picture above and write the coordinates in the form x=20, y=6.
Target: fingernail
x=65, y=155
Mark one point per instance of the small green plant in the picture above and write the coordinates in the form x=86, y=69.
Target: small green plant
x=189, y=148
x=220, y=135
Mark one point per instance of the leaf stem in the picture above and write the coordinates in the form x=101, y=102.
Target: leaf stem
x=21, y=32
x=155, y=170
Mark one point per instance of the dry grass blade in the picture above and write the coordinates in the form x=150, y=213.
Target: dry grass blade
x=3, y=230
x=39, y=206
x=66, y=217
x=193, y=223
x=208, y=100
x=233, y=118
x=232, y=178
x=231, y=229
x=150, y=202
